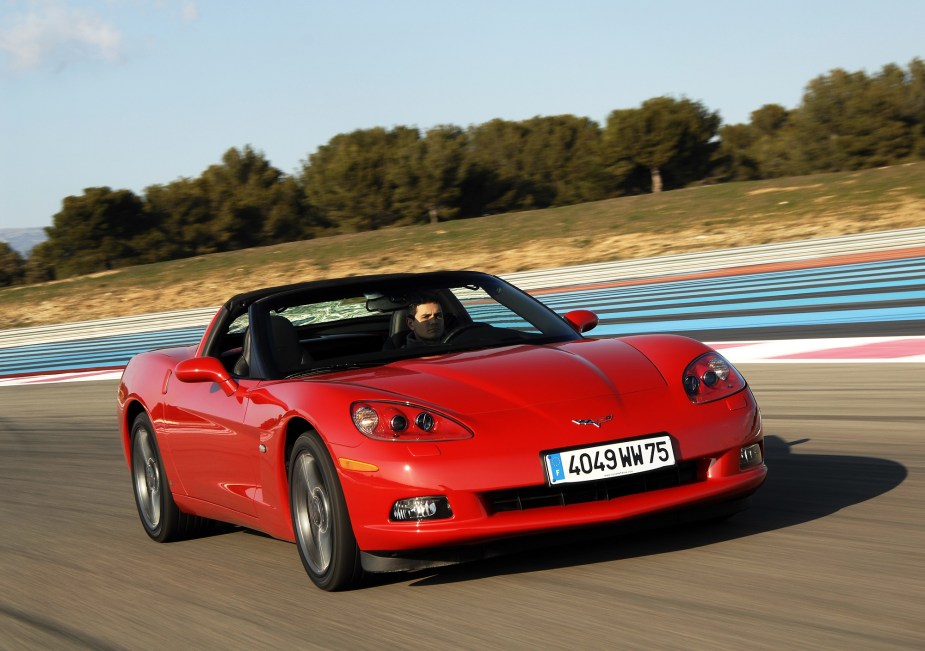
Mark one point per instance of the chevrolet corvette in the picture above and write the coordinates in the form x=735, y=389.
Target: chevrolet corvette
x=327, y=414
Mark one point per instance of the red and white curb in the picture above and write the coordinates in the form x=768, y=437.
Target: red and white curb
x=68, y=376
x=877, y=350
x=848, y=349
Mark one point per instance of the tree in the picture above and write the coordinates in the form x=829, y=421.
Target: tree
x=848, y=120
x=241, y=202
x=182, y=212
x=914, y=105
x=736, y=157
x=762, y=149
x=664, y=136
x=352, y=179
x=40, y=265
x=97, y=231
x=535, y=163
x=440, y=170
x=769, y=119
x=403, y=171
x=12, y=266
x=250, y=201
x=497, y=180
x=562, y=160
x=288, y=217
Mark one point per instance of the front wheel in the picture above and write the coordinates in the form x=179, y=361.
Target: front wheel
x=159, y=514
x=320, y=520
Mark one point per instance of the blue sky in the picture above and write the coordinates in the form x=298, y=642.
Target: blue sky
x=131, y=93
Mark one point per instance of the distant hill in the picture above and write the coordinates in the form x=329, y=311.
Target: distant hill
x=22, y=239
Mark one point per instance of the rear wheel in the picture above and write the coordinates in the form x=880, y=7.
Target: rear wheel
x=159, y=514
x=320, y=520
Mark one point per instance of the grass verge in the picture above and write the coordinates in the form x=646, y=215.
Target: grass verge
x=692, y=219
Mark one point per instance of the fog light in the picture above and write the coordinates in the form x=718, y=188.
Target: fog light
x=421, y=508
x=750, y=456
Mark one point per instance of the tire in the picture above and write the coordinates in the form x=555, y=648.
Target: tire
x=323, y=533
x=162, y=519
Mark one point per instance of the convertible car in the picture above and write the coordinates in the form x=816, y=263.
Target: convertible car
x=312, y=413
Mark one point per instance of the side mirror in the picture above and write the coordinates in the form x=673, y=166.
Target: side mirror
x=206, y=369
x=581, y=320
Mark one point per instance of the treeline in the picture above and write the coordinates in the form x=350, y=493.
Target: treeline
x=374, y=178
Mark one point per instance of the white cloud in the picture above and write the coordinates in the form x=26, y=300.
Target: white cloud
x=51, y=34
x=189, y=11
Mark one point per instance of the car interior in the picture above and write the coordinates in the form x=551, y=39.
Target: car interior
x=277, y=334
x=295, y=346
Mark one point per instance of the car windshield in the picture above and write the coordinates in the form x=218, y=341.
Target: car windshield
x=352, y=324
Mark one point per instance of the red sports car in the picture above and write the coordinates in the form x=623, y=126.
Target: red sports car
x=396, y=422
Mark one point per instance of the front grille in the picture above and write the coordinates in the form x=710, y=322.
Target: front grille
x=534, y=497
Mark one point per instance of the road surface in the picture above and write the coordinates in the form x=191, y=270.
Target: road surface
x=830, y=556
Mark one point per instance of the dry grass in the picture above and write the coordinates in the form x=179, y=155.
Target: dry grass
x=694, y=219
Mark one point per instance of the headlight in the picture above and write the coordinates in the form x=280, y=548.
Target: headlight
x=395, y=421
x=710, y=377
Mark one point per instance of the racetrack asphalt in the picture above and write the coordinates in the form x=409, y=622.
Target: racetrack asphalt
x=830, y=555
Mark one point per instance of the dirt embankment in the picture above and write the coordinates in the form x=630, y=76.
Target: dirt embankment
x=211, y=290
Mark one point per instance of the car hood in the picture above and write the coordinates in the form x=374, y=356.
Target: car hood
x=520, y=377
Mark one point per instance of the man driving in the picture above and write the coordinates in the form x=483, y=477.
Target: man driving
x=425, y=320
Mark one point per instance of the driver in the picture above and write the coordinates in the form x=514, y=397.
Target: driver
x=425, y=320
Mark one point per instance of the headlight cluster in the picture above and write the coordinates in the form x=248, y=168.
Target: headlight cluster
x=710, y=377
x=394, y=421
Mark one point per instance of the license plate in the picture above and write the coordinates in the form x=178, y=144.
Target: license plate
x=609, y=460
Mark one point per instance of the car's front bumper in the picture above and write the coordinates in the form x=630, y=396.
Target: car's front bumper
x=476, y=520
x=418, y=559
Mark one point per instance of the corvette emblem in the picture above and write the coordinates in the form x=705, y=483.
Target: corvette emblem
x=596, y=423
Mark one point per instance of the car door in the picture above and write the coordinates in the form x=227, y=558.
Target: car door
x=214, y=453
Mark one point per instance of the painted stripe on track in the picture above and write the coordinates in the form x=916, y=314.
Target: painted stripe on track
x=861, y=293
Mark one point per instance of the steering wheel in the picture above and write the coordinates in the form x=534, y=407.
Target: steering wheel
x=458, y=330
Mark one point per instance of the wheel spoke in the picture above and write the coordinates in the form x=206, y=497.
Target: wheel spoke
x=313, y=513
x=147, y=479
